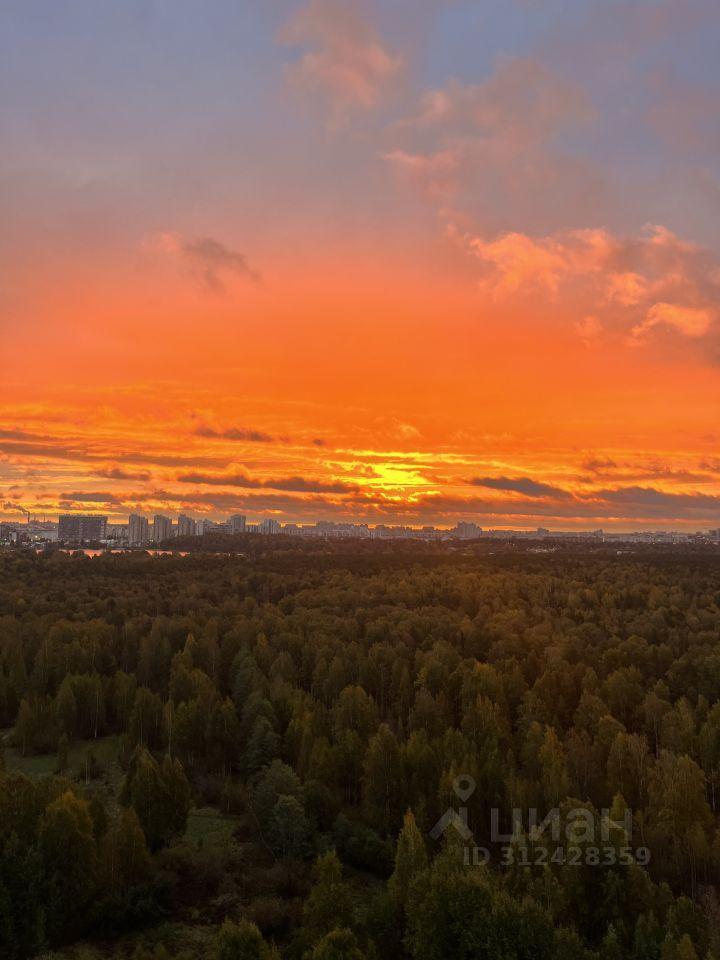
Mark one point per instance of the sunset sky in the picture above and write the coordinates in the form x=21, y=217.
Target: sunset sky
x=403, y=261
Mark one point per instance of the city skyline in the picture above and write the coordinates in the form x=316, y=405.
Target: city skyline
x=140, y=531
x=410, y=263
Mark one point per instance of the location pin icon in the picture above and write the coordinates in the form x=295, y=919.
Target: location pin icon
x=464, y=786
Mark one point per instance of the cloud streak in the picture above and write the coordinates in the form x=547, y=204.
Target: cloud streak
x=45, y=448
x=244, y=434
x=523, y=485
x=119, y=473
x=635, y=505
x=289, y=484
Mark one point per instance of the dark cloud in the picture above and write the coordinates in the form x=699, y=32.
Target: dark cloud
x=633, y=504
x=170, y=461
x=117, y=473
x=668, y=503
x=290, y=484
x=525, y=485
x=598, y=464
x=638, y=473
x=235, y=433
x=60, y=451
x=21, y=435
x=310, y=505
x=209, y=260
x=302, y=485
x=46, y=447
x=90, y=496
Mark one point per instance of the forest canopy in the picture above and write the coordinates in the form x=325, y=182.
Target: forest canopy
x=324, y=707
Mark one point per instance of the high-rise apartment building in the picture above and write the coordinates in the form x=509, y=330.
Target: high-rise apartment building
x=162, y=528
x=238, y=523
x=81, y=527
x=270, y=526
x=185, y=526
x=138, y=530
x=467, y=531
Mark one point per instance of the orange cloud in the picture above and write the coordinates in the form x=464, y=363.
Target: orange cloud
x=521, y=103
x=691, y=321
x=640, y=283
x=347, y=62
x=499, y=134
x=626, y=288
x=519, y=263
x=435, y=172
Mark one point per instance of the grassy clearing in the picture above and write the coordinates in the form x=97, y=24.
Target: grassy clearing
x=189, y=942
x=206, y=827
x=105, y=750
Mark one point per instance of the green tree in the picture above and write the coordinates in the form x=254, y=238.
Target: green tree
x=647, y=938
x=278, y=780
x=338, y=945
x=188, y=731
x=66, y=709
x=355, y=710
x=222, y=737
x=410, y=860
x=241, y=941
x=289, y=831
x=383, y=780
x=554, y=778
x=69, y=860
x=124, y=857
x=36, y=726
x=160, y=797
x=146, y=728
x=329, y=903
x=178, y=795
x=461, y=914
x=23, y=900
x=263, y=746
x=680, y=817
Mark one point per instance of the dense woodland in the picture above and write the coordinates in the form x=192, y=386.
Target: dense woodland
x=320, y=700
